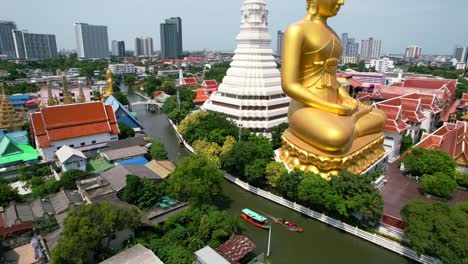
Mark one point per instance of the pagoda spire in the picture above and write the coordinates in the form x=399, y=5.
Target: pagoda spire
x=50, y=98
x=9, y=118
x=81, y=97
x=66, y=94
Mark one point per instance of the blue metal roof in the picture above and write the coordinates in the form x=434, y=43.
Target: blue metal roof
x=18, y=102
x=19, y=97
x=116, y=105
x=128, y=121
x=134, y=161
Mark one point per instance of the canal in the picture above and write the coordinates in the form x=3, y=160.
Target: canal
x=319, y=243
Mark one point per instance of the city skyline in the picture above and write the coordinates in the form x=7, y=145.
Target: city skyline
x=202, y=21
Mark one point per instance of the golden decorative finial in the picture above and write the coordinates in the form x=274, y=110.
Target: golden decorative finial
x=329, y=131
x=66, y=94
x=81, y=97
x=50, y=98
x=110, y=90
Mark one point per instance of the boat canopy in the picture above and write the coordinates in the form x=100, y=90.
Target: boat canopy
x=254, y=215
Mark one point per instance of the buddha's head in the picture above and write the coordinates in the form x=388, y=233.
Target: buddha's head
x=324, y=8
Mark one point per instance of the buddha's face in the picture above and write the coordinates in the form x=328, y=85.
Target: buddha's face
x=329, y=8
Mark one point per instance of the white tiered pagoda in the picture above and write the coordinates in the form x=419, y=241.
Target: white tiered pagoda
x=251, y=93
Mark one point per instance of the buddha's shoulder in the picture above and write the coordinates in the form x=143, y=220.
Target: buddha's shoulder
x=302, y=26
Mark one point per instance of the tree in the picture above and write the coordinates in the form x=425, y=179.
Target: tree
x=125, y=131
x=438, y=184
x=69, y=178
x=276, y=136
x=406, y=143
x=273, y=172
x=48, y=187
x=288, y=184
x=169, y=88
x=196, y=179
x=211, y=126
x=130, y=79
x=133, y=187
x=158, y=151
x=210, y=150
x=228, y=145
x=315, y=191
x=422, y=161
x=89, y=229
x=360, y=197
x=122, y=98
x=8, y=194
x=255, y=172
x=217, y=71
x=242, y=154
x=438, y=230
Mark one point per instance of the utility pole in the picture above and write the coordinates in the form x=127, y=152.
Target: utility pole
x=269, y=240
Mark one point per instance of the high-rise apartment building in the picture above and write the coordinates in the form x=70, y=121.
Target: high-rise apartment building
x=7, y=45
x=371, y=48
x=279, y=43
x=413, y=52
x=171, y=38
x=118, y=48
x=352, y=48
x=92, y=41
x=344, y=42
x=148, y=47
x=144, y=47
x=30, y=46
x=461, y=54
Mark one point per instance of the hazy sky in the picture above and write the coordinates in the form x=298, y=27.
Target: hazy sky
x=436, y=25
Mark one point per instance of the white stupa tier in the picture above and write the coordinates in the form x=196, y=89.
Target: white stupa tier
x=251, y=93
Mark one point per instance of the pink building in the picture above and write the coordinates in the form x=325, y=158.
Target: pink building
x=58, y=94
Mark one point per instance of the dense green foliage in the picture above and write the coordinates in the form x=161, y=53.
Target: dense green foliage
x=176, y=240
x=288, y=184
x=462, y=87
x=438, y=230
x=360, y=67
x=125, y=131
x=157, y=150
x=21, y=88
x=87, y=231
x=8, y=194
x=444, y=72
x=122, y=98
x=217, y=71
x=143, y=193
x=129, y=80
x=27, y=172
x=273, y=173
x=171, y=107
x=427, y=162
x=276, y=135
x=42, y=187
x=406, y=143
x=196, y=179
x=438, y=184
x=211, y=126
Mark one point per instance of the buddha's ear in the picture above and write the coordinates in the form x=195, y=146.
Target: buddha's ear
x=312, y=7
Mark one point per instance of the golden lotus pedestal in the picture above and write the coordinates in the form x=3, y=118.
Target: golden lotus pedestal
x=364, y=152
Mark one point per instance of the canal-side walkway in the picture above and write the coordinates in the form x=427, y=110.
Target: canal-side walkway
x=370, y=237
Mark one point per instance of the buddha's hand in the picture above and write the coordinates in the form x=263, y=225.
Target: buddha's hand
x=342, y=109
x=351, y=102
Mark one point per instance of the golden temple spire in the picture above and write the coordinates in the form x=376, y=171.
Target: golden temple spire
x=110, y=90
x=50, y=98
x=66, y=94
x=81, y=97
x=9, y=118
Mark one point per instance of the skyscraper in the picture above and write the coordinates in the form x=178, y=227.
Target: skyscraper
x=279, y=43
x=344, y=42
x=144, y=47
x=138, y=47
x=118, y=48
x=92, y=41
x=171, y=38
x=7, y=45
x=251, y=93
x=461, y=54
x=148, y=47
x=413, y=52
x=29, y=46
x=371, y=49
x=352, y=48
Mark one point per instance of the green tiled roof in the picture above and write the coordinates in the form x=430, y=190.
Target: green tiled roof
x=27, y=153
x=8, y=147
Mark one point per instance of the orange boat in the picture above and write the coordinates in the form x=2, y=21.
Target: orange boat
x=290, y=225
x=255, y=219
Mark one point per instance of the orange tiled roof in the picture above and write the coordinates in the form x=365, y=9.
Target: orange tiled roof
x=71, y=121
x=201, y=96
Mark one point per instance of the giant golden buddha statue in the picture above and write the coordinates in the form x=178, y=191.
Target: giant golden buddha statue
x=110, y=90
x=329, y=131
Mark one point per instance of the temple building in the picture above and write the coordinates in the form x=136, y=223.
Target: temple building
x=10, y=120
x=251, y=93
x=86, y=127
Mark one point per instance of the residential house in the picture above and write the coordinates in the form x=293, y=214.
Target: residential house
x=71, y=159
x=115, y=156
x=135, y=255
